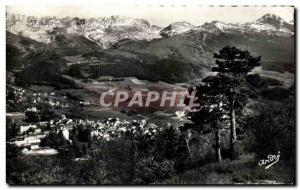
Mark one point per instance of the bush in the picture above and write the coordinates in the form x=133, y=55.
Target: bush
x=272, y=130
x=148, y=170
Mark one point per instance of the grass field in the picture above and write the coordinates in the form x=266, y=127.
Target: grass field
x=242, y=171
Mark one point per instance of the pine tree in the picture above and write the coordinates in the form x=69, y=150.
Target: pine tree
x=210, y=114
x=223, y=95
x=232, y=67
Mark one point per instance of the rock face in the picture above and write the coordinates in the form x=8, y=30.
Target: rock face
x=271, y=24
x=104, y=31
x=176, y=28
x=216, y=26
x=109, y=31
x=268, y=24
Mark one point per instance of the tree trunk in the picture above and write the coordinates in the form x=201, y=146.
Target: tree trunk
x=133, y=159
x=217, y=146
x=232, y=133
x=188, y=147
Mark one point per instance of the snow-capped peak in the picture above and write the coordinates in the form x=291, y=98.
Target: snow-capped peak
x=117, y=20
x=271, y=24
x=270, y=19
x=105, y=31
x=219, y=26
x=176, y=28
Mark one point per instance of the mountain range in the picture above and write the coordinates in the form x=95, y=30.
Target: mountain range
x=134, y=46
x=107, y=31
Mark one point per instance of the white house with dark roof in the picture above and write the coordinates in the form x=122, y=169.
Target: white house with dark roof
x=24, y=128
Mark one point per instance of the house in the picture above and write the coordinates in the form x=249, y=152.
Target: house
x=85, y=103
x=25, y=151
x=33, y=109
x=43, y=123
x=31, y=139
x=27, y=142
x=46, y=132
x=15, y=117
x=37, y=130
x=41, y=135
x=57, y=103
x=35, y=146
x=66, y=133
x=64, y=105
x=51, y=103
x=94, y=132
x=70, y=121
x=24, y=128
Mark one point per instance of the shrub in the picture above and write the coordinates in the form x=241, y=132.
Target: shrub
x=272, y=130
x=149, y=170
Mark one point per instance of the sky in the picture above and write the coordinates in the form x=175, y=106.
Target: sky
x=159, y=15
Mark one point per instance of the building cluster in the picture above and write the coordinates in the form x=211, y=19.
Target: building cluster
x=18, y=94
x=34, y=134
x=31, y=135
x=49, y=99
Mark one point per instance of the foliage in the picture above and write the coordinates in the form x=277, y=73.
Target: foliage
x=11, y=130
x=272, y=130
x=149, y=170
x=222, y=95
x=172, y=70
x=32, y=116
x=242, y=171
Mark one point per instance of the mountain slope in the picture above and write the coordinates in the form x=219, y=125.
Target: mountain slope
x=122, y=47
x=176, y=28
x=271, y=24
x=197, y=47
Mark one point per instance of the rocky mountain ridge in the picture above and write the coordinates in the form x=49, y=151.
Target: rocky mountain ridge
x=108, y=31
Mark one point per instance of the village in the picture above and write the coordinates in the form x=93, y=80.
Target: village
x=40, y=134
